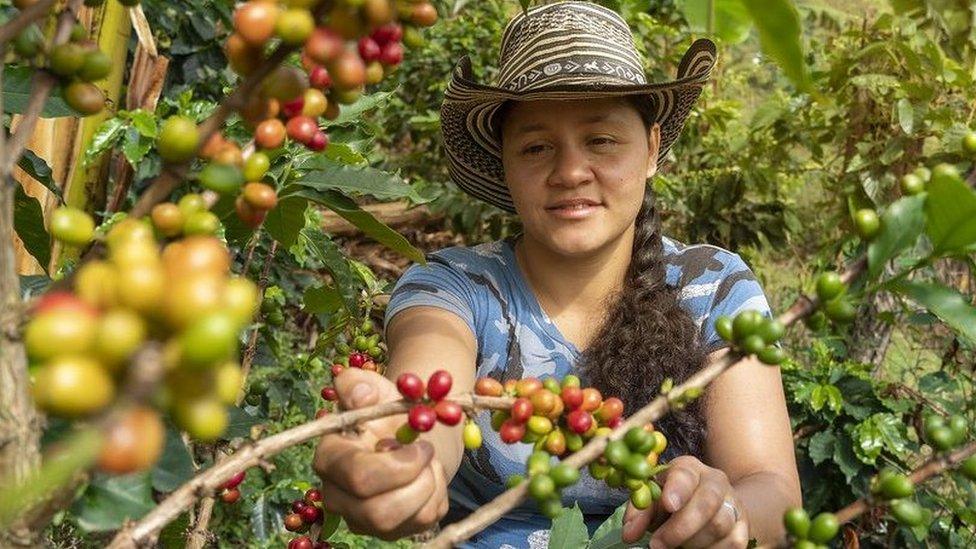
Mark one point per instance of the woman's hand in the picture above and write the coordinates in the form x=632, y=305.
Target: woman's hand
x=691, y=512
x=388, y=494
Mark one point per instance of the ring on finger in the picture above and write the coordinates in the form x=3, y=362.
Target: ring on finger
x=730, y=505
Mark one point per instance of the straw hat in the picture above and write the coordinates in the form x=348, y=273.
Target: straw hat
x=566, y=50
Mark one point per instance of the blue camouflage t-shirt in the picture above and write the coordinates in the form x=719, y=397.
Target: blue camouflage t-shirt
x=485, y=287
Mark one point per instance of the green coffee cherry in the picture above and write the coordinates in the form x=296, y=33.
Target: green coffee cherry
x=514, y=480
x=797, y=522
x=564, y=475
x=896, y=486
x=541, y=487
x=746, y=324
x=638, y=440
x=907, y=512
x=641, y=497
x=616, y=453
x=823, y=528
x=829, y=286
x=723, y=327
x=771, y=355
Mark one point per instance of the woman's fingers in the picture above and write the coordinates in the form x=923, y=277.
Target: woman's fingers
x=364, y=473
x=637, y=521
x=432, y=511
x=694, y=519
x=385, y=514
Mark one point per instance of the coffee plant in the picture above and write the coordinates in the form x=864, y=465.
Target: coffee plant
x=174, y=315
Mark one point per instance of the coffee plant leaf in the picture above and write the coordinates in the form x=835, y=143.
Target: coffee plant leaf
x=17, y=84
x=729, y=19
x=901, y=225
x=175, y=466
x=950, y=212
x=949, y=305
x=321, y=247
x=355, y=181
x=569, y=530
x=779, y=33
x=108, y=502
x=286, y=219
x=322, y=299
x=240, y=423
x=37, y=168
x=29, y=225
x=608, y=535
x=821, y=446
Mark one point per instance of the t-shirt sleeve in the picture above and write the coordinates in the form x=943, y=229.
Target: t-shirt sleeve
x=436, y=284
x=737, y=291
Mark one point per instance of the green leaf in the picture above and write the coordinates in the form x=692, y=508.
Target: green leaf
x=950, y=306
x=328, y=175
x=29, y=225
x=240, y=423
x=569, y=530
x=135, y=146
x=845, y=458
x=173, y=535
x=175, y=466
x=779, y=33
x=608, y=535
x=145, y=122
x=351, y=212
x=37, y=168
x=729, y=19
x=107, y=135
x=344, y=153
x=350, y=114
x=17, y=91
x=901, y=225
x=322, y=299
x=950, y=214
x=826, y=395
x=110, y=501
x=906, y=116
x=326, y=251
x=821, y=446
x=286, y=219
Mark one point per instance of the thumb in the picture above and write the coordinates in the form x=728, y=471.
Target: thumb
x=361, y=388
x=636, y=522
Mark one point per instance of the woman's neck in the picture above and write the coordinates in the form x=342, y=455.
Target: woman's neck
x=574, y=285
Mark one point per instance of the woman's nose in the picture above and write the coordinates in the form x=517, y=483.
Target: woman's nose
x=570, y=168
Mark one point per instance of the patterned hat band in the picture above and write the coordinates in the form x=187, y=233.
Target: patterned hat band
x=561, y=51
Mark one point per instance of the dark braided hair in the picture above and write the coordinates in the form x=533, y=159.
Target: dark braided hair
x=646, y=336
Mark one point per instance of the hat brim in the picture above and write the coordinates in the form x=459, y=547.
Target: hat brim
x=470, y=130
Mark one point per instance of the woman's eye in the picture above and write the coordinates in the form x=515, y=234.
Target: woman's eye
x=533, y=149
x=602, y=141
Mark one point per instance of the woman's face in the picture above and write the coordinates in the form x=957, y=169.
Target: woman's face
x=576, y=170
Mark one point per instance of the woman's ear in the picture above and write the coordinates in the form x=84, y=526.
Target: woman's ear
x=654, y=147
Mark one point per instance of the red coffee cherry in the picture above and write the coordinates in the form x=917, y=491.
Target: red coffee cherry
x=337, y=369
x=410, y=386
x=356, y=360
x=311, y=514
x=449, y=413
x=579, y=421
x=611, y=409
x=319, y=142
x=298, y=505
x=511, y=431
x=234, y=481
x=230, y=496
x=302, y=542
x=312, y=496
x=439, y=385
x=369, y=50
x=521, y=410
x=487, y=386
x=591, y=399
x=321, y=413
x=617, y=421
x=572, y=397
x=525, y=387
x=392, y=54
x=422, y=418
x=330, y=394
x=293, y=107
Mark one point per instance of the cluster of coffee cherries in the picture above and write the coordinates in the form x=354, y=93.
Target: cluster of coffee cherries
x=359, y=348
x=945, y=434
x=80, y=342
x=807, y=533
x=306, y=512
x=430, y=409
x=556, y=417
x=187, y=217
x=77, y=63
x=228, y=173
x=897, y=489
x=230, y=492
x=752, y=333
x=835, y=304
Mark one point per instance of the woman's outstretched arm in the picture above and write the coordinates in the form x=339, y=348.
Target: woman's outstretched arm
x=401, y=492
x=750, y=465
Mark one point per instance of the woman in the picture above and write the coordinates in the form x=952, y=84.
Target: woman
x=567, y=139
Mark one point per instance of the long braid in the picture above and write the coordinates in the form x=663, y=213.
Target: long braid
x=647, y=336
